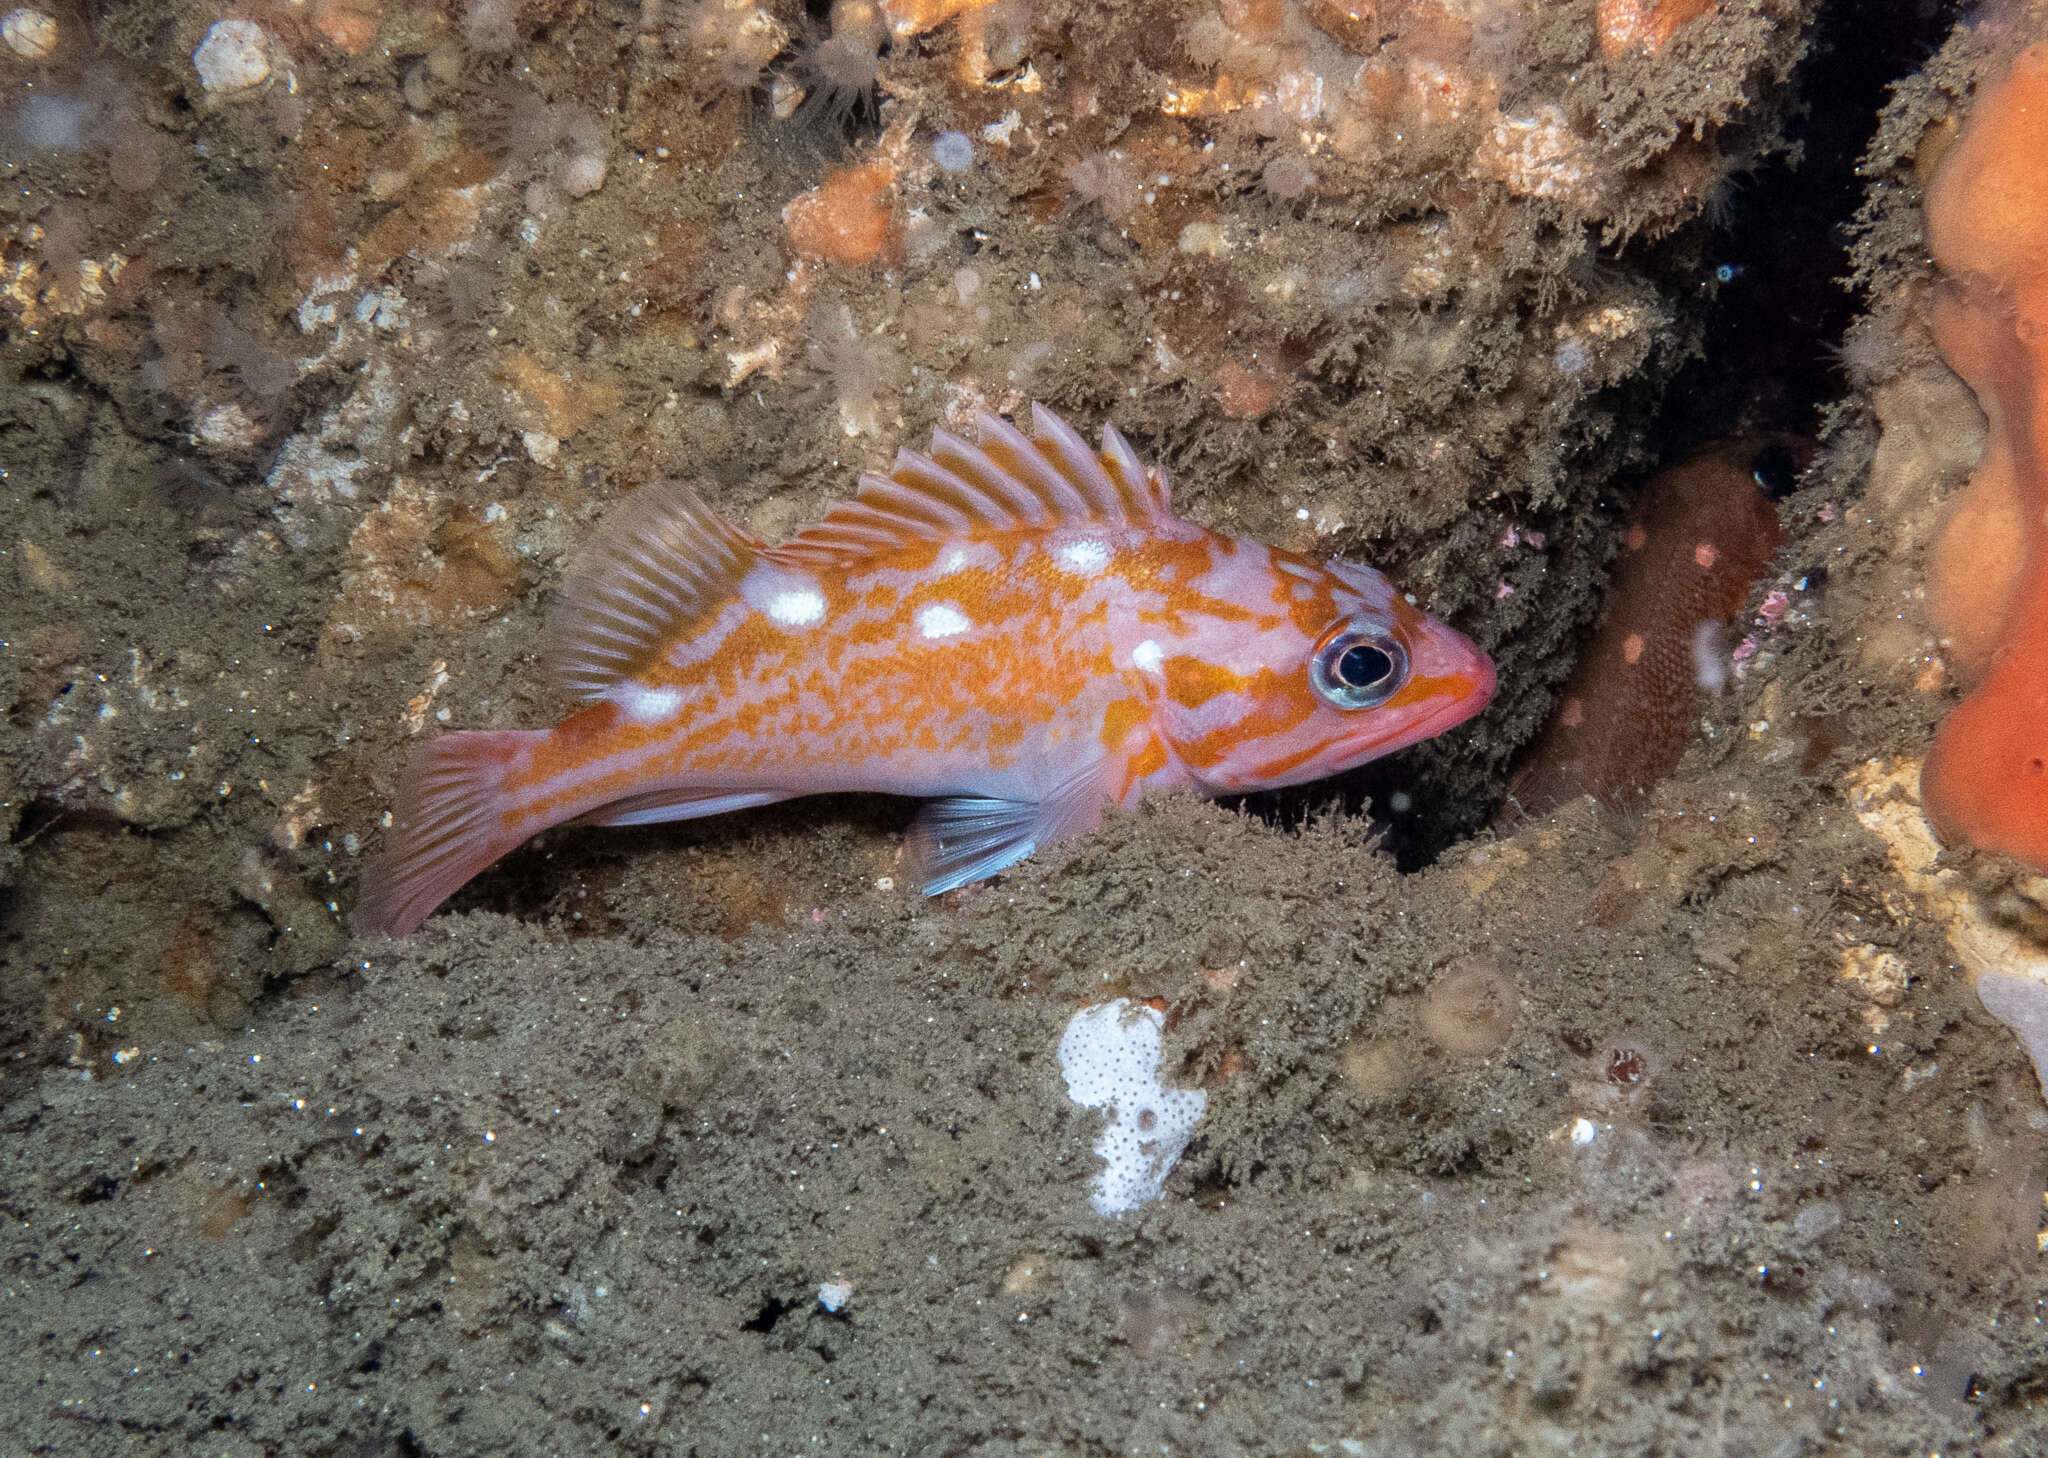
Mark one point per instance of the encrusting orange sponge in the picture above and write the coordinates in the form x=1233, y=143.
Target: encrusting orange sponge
x=1985, y=782
x=844, y=219
x=1643, y=25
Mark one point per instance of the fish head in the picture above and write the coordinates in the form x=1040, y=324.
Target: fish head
x=1356, y=672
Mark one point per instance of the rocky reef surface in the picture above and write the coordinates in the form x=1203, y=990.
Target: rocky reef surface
x=327, y=329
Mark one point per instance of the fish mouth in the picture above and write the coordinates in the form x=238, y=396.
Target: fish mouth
x=1474, y=682
x=1454, y=709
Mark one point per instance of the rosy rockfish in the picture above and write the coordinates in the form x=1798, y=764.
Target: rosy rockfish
x=1022, y=631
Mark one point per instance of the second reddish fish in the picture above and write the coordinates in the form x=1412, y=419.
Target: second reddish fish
x=1707, y=532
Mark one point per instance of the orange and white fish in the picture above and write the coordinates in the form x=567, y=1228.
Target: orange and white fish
x=1022, y=631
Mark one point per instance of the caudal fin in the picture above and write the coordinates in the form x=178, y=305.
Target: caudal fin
x=447, y=826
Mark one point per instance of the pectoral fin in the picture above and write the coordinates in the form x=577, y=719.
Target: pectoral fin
x=964, y=838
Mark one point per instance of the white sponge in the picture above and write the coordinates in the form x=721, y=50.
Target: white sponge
x=1110, y=1055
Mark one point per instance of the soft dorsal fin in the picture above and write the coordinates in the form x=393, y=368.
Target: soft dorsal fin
x=661, y=561
x=1009, y=480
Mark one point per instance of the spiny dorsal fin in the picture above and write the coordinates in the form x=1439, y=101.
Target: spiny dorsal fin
x=1009, y=480
x=661, y=561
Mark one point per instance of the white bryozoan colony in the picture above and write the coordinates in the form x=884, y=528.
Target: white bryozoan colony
x=1110, y=1056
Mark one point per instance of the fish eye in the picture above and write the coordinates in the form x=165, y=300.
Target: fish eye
x=1359, y=670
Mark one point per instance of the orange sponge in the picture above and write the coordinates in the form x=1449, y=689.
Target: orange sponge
x=1987, y=208
x=1979, y=564
x=844, y=219
x=1985, y=782
x=1986, y=777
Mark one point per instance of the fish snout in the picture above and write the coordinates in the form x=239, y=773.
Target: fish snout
x=1449, y=678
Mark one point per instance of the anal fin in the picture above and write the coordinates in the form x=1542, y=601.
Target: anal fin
x=660, y=806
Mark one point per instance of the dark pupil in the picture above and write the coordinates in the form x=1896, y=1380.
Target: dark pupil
x=1363, y=666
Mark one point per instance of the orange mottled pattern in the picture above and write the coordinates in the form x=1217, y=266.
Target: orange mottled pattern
x=768, y=686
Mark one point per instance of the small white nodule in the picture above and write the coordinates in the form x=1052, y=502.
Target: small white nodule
x=233, y=57
x=30, y=33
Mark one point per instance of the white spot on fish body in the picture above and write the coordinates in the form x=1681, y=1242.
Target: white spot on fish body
x=942, y=620
x=1148, y=656
x=1087, y=556
x=644, y=705
x=954, y=560
x=797, y=609
x=788, y=597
